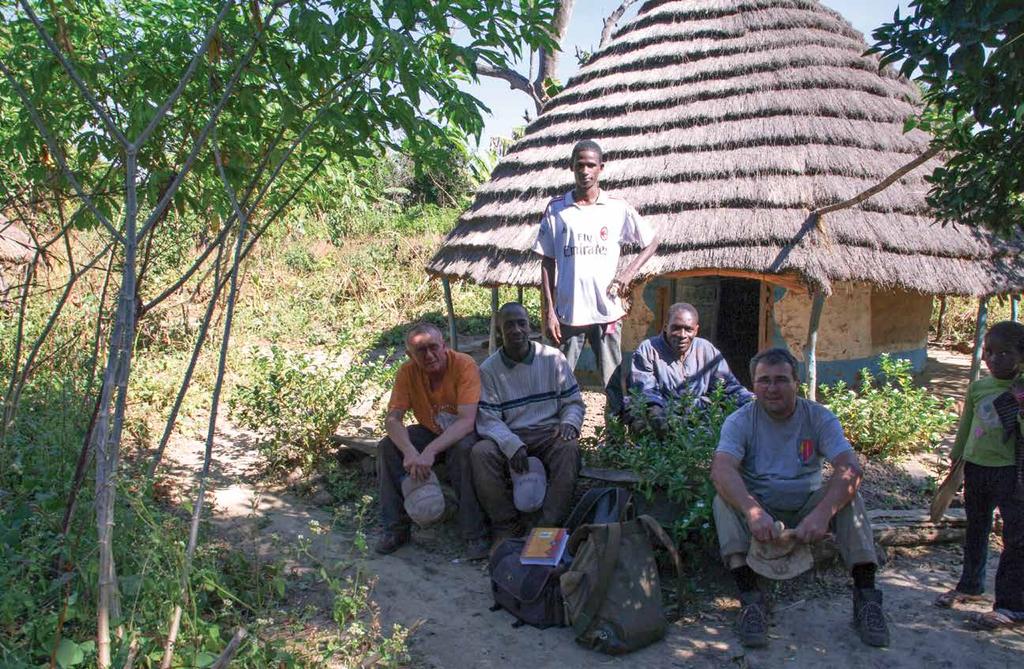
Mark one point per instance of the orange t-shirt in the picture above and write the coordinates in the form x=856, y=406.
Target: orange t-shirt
x=460, y=385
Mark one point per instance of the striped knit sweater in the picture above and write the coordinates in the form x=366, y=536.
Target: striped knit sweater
x=540, y=391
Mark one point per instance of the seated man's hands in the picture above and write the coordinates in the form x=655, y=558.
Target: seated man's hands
x=658, y=421
x=419, y=465
x=567, y=432
x=518, y=461
x=761, y=524
x=813, y=527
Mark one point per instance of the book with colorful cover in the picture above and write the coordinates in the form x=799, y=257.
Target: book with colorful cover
x=545, y=546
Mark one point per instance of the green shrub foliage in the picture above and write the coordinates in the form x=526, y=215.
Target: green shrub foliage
x=295, y=402
x=675, y=466
x=889, y=416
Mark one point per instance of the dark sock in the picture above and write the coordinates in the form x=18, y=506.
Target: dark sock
x=863, y=576
x=746, y=578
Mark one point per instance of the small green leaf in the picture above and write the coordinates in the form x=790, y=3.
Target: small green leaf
x=69, y=653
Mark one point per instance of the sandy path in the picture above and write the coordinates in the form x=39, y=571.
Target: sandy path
x=425, y=584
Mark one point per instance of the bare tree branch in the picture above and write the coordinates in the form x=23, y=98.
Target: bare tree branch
x=547, y=61
x=880, y=186
x=73, y=73
x=55, y=150
x=185, y=78
x=197, y=506
x=612, y=21
x=516, y=81
x=200, y=142
x=187, y=378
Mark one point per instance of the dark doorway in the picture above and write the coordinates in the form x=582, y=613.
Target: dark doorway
x=736, y=334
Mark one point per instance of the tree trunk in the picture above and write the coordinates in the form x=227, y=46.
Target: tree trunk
x=547, y=61
x=107, y=435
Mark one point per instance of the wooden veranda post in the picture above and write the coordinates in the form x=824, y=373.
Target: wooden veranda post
x=979, y=337
x=492, y=343
x=942, y=317
x=519, y=294
x=810, y=350
x=453, y=335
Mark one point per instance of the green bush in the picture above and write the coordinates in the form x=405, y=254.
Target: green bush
x=891, y=416
x=295, y=403
x=677, y=465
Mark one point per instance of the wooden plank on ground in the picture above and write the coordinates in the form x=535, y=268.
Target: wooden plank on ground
x=913, y=527
x=609, y=475
x=364, y=445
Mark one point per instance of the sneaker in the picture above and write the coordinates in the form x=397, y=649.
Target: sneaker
x=391, y=541
x=478, y=549
x=868, y=617
x=752, y=623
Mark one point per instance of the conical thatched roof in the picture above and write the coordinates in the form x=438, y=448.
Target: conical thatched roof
x=725, y=122
x=16, y=245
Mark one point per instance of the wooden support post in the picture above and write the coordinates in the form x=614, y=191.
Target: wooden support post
x=979, y=337
x=453, y=335
x=1014, y=308
x=810, y=350
x=942, y=317
x=492, y=343
x=519, y=294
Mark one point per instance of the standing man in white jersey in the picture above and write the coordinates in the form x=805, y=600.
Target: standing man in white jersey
x=580, y=237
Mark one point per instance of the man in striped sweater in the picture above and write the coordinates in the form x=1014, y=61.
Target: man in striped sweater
x=530, y=405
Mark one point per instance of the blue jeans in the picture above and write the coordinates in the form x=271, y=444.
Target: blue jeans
x=985, y=489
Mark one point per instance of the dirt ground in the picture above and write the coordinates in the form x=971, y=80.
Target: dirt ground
x=427, y=586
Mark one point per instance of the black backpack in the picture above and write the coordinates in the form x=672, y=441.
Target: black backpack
x=532, y=592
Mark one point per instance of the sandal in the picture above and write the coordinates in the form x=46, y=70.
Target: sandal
x=997, y=619
x=947, y=599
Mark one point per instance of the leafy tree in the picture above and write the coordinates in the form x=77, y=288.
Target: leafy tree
x=127, y=117
x=969, y=58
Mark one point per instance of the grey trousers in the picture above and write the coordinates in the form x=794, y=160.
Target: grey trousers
x=494, y=481
x=854, y=538
x=470, y=516
x=605, y=341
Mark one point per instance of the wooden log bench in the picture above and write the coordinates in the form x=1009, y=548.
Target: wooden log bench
x=891, y=527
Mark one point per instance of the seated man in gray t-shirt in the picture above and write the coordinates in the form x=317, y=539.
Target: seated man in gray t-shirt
x=767, y=467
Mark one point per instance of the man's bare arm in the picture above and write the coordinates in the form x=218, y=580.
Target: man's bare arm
x=547, y=283
x=394, y=424
x=725, y=474
x=839, y=491
x=629, y=272
x=465, y=423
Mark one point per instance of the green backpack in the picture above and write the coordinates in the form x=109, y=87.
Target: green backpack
x=612, y=590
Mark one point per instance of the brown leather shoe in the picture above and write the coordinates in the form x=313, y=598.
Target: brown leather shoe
x=390, y=542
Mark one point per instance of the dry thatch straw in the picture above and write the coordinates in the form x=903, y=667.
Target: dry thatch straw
x=16, y=245
x=726, y=122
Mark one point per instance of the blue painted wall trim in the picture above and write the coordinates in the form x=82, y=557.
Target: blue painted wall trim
x=829, y=371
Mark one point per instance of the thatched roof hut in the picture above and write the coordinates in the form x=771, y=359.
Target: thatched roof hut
x=726, y=122
x=16, y=245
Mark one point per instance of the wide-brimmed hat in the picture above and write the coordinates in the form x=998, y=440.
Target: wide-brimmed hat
x=424, y=500
x=780, y=559
x=530, y=487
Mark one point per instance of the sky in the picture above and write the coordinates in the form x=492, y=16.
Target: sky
x=508, y=106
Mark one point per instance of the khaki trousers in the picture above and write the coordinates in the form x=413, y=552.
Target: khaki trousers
x=852, y=529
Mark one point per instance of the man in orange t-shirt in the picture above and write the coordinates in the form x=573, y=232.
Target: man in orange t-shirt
x=442, y=388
